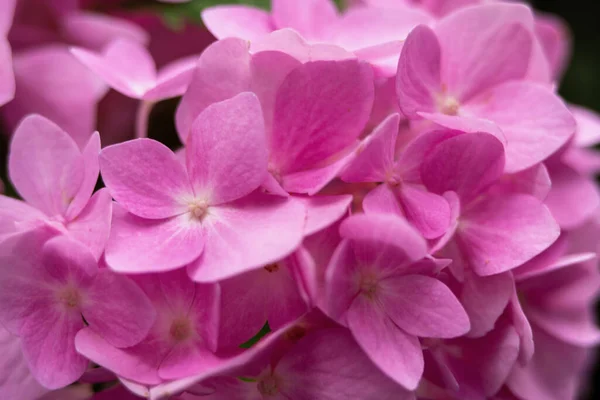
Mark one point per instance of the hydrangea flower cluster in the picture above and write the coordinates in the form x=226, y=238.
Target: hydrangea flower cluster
x=391, y=202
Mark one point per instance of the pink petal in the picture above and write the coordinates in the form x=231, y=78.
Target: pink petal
x=423, y=306
x=173, y=79
x=22, y=288
x=45, y=165
x=237, y=21
x=17, y=382
x=49, y=81
x=146, y=178
x=466, y=164
x=573, y=198
x=247, y=234
x=323, y=211
x=374, y=160
x=126, y=66
x=49, y=347
x=484, y=300
x=141, y=245
x=183, y=362
x=16, y=215
x=534, y=181
x=139, y=363
x=68, y=262
x=253, y=298
x=226, y=60
x=308, y=18
x=92, y=226
x=92, y=168
x=226, y=153
x=6, y=20
x=419, y=78
x=499, y=52
x=548, y=123
x=382, y=199
x=118, y=310
x=7, y=78
x=502, y=232
x=554, y=37
x=331, y=100
x=391, y=241
x=588, y=126
x=426, y=211
x=395, y=352
x=341, y=287
x=334, y=350
x=95, y=31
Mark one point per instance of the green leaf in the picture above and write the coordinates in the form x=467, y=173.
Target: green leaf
x=265, y=329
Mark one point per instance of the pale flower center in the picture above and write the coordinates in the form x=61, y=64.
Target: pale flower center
x=268, y=386
x=70, y=297
x=181, y=329
x=448, y=105
x=198, y=209
x=369, y=285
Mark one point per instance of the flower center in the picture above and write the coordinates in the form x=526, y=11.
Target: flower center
x=448, y=105
x=70, y=297
x=369, y=285
x=181, y=329
x=268, y=386
x=198, y=209
x=273, y=267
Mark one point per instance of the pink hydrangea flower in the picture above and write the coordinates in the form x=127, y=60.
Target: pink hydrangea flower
x=52, y=291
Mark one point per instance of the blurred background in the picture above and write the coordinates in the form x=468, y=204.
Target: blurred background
x=580, y=84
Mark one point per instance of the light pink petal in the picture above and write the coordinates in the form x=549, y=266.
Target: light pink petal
x=45, y=165
x=426, y=211
x=173, y=79
x=423, y=306
x=17, y=215
x=332, y=101
x=249, y=233
x=419, y=79
x=323, y=211
x=585, y=161
x=382, y=199
x=49, y=81
x=534, y=181
x=465, y=124
x=237, y=21
x=118, y=310
x=7, y=77
x=6, y=20
x=573, y=198
x=365, y=27
x=523, y=328
x=395, y=352
x=142, y=245
x=340, y=284
x=126, y=66
x=308, y=18
x=146, y=178
x=588, y=126
x=226, y=152
x=534, y=120
x=139, y=363
x=253, y=298
x=68, y=262
x=386, y=240
x=49, y=347
x=555, y=39
x=484, y=300
x=95, y=31
x=22, y=278
x=502, y=232
x=314, y=180
x=466, y=164
x=227, y=61
x=17, y=382
x=499, y=52
x=91, y=167
x=374, y=160
x=185, y=361
x=334, y=350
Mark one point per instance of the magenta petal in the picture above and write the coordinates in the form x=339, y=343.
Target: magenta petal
x=183, y=362
x=142, y=245
x=374, y=160
x=332, y=101
x=92, y=226
x=423, y=306
x=45, y=165
x=173, y=79
x=118, y=310
x=16, y=215
x=146, y=178
x=7, y=78
x=237, y=21
x=465, y=164
x=382, y=199
x=419, y=80
x=308, y=18
x=549, y=126
x=426, y=211
x=341, y=288
x=395, y=352
x=226, y=152
x=502, y=232
x=126, y=66
x=334, y=350
x=91, y=166
x=323, y=211
x=49, y=347
x=249, y=233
